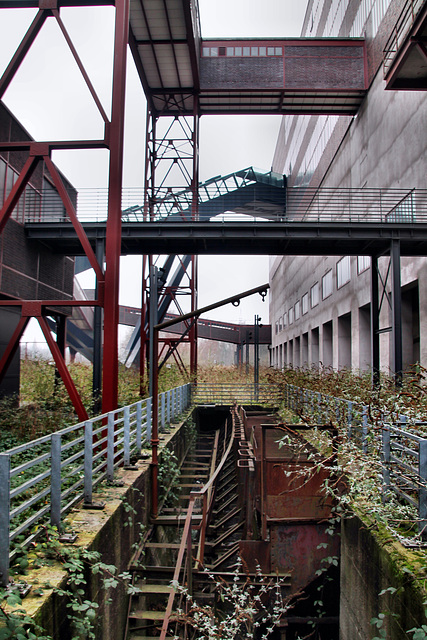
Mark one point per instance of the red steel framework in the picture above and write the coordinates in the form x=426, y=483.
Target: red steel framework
x=165, y=45
x=108, y=282
x=172, y=144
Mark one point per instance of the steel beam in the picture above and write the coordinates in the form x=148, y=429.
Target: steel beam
x=375, y=323
x=113, y=231
x=396, y=311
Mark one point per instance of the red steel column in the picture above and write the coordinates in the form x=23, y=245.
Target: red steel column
x=194, y=258
x=114, y=222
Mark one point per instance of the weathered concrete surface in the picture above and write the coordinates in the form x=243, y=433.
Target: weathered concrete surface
x=108, y=532
x=371, y=563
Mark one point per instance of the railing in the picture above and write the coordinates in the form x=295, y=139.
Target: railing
x=401, y=29
x=230, y=394
x=401, y=454
x=43, y=479
x=300, y=205
x=206, y=495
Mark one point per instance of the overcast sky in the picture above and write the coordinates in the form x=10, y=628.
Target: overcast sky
x=63, y=109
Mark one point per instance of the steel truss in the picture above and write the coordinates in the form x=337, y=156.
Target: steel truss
x=107, y=282
x=171, y=170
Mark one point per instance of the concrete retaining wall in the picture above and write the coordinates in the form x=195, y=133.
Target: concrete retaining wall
x=371, y=563
x=109, y=532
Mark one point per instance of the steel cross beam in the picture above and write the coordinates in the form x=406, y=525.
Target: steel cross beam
x=41, y=152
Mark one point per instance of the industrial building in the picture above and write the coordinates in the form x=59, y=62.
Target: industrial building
x=320, y=307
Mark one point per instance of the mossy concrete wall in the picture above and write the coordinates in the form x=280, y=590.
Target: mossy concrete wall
x=112, y=532
x=372, y=562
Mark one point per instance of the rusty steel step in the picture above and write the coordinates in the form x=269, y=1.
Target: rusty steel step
x=225, y=535
x=225, y=556
x=226, y=492
x=225, y=505
x=145, y=588
x=226, y=518
x=157, y=616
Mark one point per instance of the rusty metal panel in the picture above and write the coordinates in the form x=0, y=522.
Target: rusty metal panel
x=295, y=491
x=294, y=549
x=256, y=552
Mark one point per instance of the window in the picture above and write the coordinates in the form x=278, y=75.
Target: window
x=285, y=319
x=280, y=323
x=297, y=309
x=277, y=327
x=247, y=52
x=291, y=315
x=363, y=263
x=304, y=303
x=327, y=284
x=314, y=294
x=343, y=271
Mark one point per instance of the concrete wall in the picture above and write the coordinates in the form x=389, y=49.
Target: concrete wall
x=368, y=566
x=108, y=532
x=385, y=147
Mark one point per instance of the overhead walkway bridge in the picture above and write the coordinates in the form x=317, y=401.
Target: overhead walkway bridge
x=248, y=192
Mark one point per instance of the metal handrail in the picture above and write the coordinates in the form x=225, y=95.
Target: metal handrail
x=394, y=446
x=401, y=29
x=230, y=393
x=94, y=449
x=323, y=204
x=186, y=542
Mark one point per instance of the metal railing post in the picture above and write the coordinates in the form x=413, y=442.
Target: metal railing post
x=138, y=441
x=88, y=462
x=422, y=491
x=162, y=411
x=349, y=419
x=110, y=447
x=4, y=517
x=55, y=480
x=173, y=405
x=148, y=416
x=365, y=430
x=126, y=436
x=168, y=407
x=385, y=434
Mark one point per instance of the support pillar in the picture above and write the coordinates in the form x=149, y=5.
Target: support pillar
x=375, y=323
x=396, y=311
x=114, y=222
x=153, y=316
x=97, y=337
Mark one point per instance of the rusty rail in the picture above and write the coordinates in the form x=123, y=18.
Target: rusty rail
x=186, y=543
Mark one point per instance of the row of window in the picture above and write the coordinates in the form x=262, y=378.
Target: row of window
x=324, y=288
x=241, y=52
